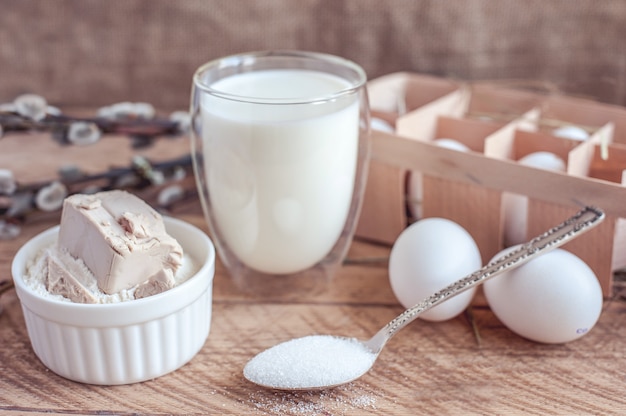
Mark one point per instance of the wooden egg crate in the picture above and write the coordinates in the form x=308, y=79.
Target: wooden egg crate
x=499, y=124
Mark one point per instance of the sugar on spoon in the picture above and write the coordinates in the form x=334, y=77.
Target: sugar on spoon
x=323, y=361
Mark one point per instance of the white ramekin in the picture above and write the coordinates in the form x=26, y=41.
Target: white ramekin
x=125, y=342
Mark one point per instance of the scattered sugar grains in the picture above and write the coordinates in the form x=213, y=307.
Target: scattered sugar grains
x=310, y=362
x=338, y=401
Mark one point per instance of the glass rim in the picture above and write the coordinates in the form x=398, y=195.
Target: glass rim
x=244, y=60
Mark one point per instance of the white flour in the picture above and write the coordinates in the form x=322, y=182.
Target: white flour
x=37, y=270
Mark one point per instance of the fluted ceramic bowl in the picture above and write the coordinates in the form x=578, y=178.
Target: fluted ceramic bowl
x=125, y=342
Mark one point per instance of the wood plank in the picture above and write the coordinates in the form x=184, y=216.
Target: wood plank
x=429, y=367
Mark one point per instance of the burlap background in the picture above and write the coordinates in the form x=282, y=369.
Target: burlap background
x=95, y=52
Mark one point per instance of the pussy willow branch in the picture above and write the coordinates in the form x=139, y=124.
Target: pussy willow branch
x=114, y=174
x=154, y=127
x=140, y=175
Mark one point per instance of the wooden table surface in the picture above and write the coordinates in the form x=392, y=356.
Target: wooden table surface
x=469, y=365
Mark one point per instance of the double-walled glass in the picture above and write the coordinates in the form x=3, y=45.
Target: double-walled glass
x=281, y=147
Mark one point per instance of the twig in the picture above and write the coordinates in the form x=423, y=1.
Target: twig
x=469, y=314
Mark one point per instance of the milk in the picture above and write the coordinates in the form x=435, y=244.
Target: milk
x=280, y=177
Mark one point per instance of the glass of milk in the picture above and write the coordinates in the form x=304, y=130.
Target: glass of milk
x=281, y=145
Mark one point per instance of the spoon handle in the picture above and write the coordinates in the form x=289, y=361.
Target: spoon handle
x=581, y=222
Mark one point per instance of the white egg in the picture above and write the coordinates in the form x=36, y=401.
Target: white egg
x=415, y=189
x=543, y=160
x=381, y=125
x=452, y=144
x=554, y=298
x=428, y=256
x=515, y=207
x=571, y=132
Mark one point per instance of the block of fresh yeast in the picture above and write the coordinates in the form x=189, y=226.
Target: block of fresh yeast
x=115, y=239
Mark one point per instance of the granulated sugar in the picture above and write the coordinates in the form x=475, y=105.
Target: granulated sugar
x=310, y=362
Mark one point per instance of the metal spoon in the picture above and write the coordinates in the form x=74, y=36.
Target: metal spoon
x=300, y=365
